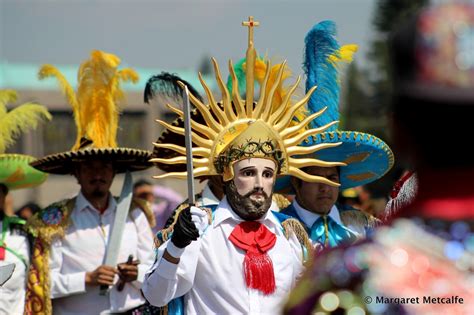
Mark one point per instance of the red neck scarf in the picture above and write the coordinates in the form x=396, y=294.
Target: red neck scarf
x=256, y=240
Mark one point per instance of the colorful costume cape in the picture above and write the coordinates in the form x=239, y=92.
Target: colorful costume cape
x=48, y=225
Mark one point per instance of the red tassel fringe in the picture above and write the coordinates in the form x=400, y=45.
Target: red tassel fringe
x=258, y=269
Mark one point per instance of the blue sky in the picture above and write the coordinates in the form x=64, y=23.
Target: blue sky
x=171, y=35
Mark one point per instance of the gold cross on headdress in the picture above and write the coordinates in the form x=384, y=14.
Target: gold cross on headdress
x=250, y=24
x=251, y=54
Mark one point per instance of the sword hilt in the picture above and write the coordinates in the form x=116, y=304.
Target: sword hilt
x=104, y=289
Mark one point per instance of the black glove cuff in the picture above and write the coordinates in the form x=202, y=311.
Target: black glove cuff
x=184, y=230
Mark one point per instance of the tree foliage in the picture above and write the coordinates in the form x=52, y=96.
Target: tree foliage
x=368, y=89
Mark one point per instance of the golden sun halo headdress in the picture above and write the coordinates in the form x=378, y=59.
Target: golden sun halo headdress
x=237, y=129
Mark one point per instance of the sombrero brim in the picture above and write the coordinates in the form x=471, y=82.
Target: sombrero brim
x=123, y=159
x=368, y=158
x=16, y=173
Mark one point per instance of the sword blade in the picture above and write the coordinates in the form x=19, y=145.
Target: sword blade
x=6, y=271
x=116, y=234
x=189, y=146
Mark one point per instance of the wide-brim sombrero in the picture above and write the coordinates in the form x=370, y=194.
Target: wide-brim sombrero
x=16, y=173
x=123, y=159
x=96, y=111
x=368, y=158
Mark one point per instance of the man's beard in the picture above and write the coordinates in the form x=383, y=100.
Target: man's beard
x=99, y=192
x=245, y=207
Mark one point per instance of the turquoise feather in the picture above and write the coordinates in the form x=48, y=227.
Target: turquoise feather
x=240, y=73
x=320, y=43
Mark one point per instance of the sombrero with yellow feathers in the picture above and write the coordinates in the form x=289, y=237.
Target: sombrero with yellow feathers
x=96, y=114
x=15, y=171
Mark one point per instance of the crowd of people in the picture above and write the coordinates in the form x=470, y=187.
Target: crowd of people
x=281, y=225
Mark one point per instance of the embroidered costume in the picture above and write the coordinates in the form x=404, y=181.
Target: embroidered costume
x=15, y=173
x=72, y=234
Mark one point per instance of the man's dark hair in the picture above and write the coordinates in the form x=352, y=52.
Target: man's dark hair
x=4, y=189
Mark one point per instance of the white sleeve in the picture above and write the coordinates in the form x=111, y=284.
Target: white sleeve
x=63, y=284
x=166, y=281
x=145, y=247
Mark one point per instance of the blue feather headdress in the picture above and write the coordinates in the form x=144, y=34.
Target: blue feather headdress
x=367, y=157
x=322, y=71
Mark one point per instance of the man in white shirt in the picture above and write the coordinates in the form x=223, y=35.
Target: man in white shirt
x=74, y=235
x=240, y=258
x=14, y=248
x=80, y=229
x=76, y=262
x=203, y=262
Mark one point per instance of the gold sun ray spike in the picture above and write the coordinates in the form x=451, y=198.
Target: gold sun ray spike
x=239, y=129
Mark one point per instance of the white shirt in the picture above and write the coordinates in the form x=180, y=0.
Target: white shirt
x=210, y=273
x=12, y=293
x=309, y=218
x=83, y=249
x=207, y=198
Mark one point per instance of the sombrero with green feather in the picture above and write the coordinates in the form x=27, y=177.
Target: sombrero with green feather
x=96, y=114
x=15, y=171
x=367, y=157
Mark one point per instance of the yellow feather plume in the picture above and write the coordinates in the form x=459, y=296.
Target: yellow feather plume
x=345, y=54
x=124, y=75
x=18, y=120
x=260, y=69
x=98, y=93
x=47, y=71
x=6, y=96
x=95, y=105
x=282, y=91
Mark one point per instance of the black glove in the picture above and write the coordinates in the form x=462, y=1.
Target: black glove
x=184, y=231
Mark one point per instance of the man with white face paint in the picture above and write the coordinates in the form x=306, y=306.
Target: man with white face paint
x=250, y=193
x=204, y=262
x=239, y=258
